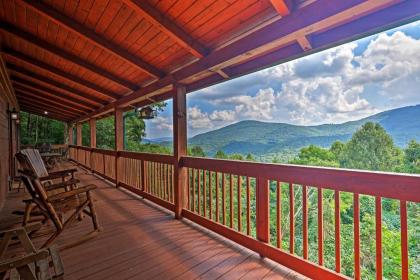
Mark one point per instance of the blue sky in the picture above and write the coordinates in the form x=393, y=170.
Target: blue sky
x=349, y=82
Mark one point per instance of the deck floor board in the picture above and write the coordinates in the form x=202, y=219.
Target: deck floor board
x=140, y=240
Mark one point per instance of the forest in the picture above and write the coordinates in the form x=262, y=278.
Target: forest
x=370, y=148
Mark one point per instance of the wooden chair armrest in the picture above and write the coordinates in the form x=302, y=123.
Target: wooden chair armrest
x=22, y=261
x=68, y=194
x=61, y=185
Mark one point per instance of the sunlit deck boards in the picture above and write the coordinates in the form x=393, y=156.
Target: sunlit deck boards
x=142, y=241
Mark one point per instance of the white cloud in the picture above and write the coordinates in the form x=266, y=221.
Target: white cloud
x=162, y=123
x=198, y=119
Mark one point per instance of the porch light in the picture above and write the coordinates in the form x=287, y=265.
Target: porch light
x=45, y=113
x=14, y=115
x=146, y=113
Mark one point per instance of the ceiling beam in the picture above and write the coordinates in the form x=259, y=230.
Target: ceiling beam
x=56, y=71
x=92, y=37
x=54, y=83
x=45, y=90
x=31, y=39
x=43, y=107
x=49, y=99
x=304, y=43
x=167, y=26
x=40, y=113
x=283, y=7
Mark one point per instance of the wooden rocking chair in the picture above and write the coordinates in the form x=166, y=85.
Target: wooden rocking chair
x=62, y=209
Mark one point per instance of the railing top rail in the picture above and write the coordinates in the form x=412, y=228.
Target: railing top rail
x=383, y=184
x=169, y=159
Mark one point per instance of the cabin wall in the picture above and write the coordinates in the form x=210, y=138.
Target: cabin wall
x=8, y=131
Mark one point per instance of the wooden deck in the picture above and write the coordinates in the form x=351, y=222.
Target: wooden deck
x=140, y=240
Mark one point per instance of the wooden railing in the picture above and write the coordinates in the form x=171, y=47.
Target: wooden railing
x=236, y=200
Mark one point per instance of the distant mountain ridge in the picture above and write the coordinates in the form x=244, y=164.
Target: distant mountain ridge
x=260, y=138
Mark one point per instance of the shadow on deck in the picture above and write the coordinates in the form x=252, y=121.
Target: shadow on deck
x=140, y=240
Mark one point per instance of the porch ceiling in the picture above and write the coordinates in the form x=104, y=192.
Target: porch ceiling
x=80, y=59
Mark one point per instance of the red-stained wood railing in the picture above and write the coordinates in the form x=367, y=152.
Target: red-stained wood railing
x=236, y=199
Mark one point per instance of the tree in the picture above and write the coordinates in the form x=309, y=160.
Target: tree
x=412, y=157
x=135, y=128
x=196, y=151
x=316, y=156
x=337, y=148
x=220, y=154
x=371, y=148
x=250, y=157
x=236, y=157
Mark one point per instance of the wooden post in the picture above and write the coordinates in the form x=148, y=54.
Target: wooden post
x=263, y=211
x=180, y=148
x=92, y=125
x=79, y=134
x=119, y=138
x=70, y=132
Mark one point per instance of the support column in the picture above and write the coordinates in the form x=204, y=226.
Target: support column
x=79, y=134
x=70, y=134
x=92, y=125
x=180, y=148
x=119, y=138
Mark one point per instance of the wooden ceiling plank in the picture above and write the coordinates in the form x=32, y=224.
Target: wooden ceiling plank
x=167, y=26
x=54, y=83
x=41, y=106
x=283, y=7
x=42, y=100
x=30, y=38
x=40, y=113
x=49, y=97
x=41, y=89
x=56, y=71
x=93, y=37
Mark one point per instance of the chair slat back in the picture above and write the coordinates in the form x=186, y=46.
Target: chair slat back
x=36, y=161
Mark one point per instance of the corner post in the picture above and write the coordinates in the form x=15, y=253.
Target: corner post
x=79, y=134
x=119, y=138
x=92, y=125
x=180, y=147
x=70, y=134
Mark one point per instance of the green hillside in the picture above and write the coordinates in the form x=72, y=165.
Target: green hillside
x=262, y=138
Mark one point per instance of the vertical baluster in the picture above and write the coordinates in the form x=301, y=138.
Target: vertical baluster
x=278, y=213
x=292, y=219
x=337, y=231
x=378, y=222
x=189, y=188
x=239, y=204
x=224, y=198
x=210, y=195
x=199, y=191
x=217, y=196
x=305, y=221
x=404, y=240
x=356, y=215
x=248, y=206
x=193, y=188
x=320, y=229
x=231, y=200
x=204, y=193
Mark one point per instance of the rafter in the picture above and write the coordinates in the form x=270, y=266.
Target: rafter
x=52, y=82
x=304, y=43
x=39, y=112
x=56, y=71
x=93, y=37
x=28, y=37
x=41, y=106
x=49, y=99
x=283, y=7
x=167, y=26
x=45, y=90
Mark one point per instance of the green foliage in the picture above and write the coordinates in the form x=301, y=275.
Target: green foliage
x=412, y=158
x=250, y=157
x=370, y=148
x=148, y=148
x=316, y=156
x=36, y=129
x=135, y=128
x=105, y=133
x=196, y=151
x=220, y=155
x=86, y=134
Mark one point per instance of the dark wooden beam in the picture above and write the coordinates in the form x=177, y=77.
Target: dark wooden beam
x=31, y=39
x=93, y=37
x=48, y=100
x=38, y=112
x=56, y=71
x=51, y=97
x=45, y=90
x=54, y=83
x=44, y=108
x=167, y=26
x=283, y=7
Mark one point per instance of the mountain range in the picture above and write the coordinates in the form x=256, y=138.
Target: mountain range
x=262, y=138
